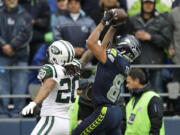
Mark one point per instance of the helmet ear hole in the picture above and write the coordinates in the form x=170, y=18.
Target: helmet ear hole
x=129, y=46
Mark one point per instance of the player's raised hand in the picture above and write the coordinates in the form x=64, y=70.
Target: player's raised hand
x=29, y=109
x=115, y=16
x=107, y=18
x=120, y=16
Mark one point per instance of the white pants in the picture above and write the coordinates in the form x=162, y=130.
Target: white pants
x=51, y=125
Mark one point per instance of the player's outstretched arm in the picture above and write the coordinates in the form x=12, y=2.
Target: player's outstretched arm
x=48, y=85
x=108, y=38
x=92, y=42
x=85, y=58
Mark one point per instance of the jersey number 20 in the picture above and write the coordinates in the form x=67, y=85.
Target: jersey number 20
x=64, y=96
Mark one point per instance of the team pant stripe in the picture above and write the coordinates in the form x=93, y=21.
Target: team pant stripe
x=50, y=127
x=96, y=123
x=43, y=127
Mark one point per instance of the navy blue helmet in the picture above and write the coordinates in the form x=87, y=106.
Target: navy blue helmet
x=129, y=46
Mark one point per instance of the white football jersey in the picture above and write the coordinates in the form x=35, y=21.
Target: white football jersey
x=63, y=95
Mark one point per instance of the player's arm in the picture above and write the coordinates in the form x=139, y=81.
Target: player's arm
x=47, y=87
x=86, y=57
x=46, y=76
x=107, y=43
x=108, y=38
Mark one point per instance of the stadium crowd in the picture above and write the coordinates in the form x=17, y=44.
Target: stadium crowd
x=28, y=27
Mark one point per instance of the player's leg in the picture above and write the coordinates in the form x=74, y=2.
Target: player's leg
x=95, y=124
x=61, y=126
x=51, y=125
x=114, y=121
x=43, y=126
x=101, y=120
x=91, y=123
x=115, y=131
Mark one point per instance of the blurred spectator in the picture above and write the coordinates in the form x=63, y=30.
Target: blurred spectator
x=130, y=4
x=62, y=8
x=15, y=35
x=89, y=5
x=174, y=50
x=38, y=60
x=144, y=111
x=168, y=3
x=175, y=3
x=53, y=6
x=160, y=7
x=1, y=4
x=40, y=12
x=154, y=33
x=74, y=27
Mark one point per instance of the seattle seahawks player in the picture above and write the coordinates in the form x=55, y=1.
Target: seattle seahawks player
x=59, y=83
x=113, y=68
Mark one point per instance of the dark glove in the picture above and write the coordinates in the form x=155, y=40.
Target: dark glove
x=107, y=18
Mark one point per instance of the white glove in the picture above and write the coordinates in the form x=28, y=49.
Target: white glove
x=29, y=108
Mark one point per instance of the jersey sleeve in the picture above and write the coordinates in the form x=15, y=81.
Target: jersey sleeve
x=46, y=71
x=111, y=56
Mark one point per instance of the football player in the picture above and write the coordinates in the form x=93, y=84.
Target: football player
x=113, y=68
x=59, y=83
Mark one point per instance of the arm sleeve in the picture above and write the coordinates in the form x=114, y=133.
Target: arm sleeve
x=111, y=57
x=155, y=111
x=48, y=71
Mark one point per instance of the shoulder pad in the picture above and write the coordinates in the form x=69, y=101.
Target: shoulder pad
x=45, y=71
x=113, y=52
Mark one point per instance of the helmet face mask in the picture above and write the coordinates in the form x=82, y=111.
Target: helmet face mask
x=129, y=47
x=60, y=52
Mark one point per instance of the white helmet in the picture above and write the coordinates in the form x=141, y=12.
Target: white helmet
x=60, y=52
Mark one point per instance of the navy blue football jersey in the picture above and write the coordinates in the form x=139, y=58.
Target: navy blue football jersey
x=109, y=78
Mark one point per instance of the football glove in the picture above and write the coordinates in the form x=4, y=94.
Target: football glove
x=29, y=109
x=107, y=18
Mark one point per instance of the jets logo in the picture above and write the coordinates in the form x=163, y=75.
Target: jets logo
x=42, y=74
x=55, y=50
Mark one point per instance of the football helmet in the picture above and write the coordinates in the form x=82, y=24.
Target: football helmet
x=129, y=47
x=60, y=52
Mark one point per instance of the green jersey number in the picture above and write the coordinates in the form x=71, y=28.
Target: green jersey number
x=64, y=96
x=114, y=91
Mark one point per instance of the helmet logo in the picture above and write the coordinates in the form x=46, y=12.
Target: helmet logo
x=55, y=50
x=128, y=41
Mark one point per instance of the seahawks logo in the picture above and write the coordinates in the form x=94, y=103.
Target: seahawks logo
x=55, y=50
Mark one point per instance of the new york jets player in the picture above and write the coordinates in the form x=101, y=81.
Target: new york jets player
x=113, y=68
x=58, y=91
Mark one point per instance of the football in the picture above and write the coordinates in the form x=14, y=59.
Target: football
x=120, y=15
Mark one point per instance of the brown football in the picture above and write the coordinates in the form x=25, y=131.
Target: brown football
x=120, y=15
